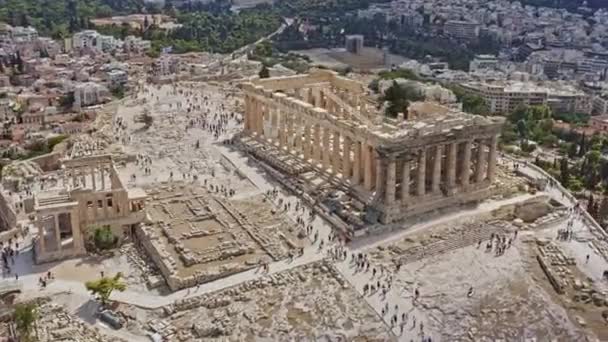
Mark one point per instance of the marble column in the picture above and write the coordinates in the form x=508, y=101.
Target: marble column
x=254, y=116
x=298, y=134
x=465, y=172
x=356, y=178
x=326, y=150
x=421, y=174
x=76, y=235
x=451, y=167
x=367, y=166
x=40, y=224
x=405, y=180
x=480, y=171
x=492, y=158
x=83, y=177
x=316, y=150
x=57, y=231
x=306, y=143
x=346, y=146
x=93, y=183
x=74, y=178
x=263, y=114
x=380, y=176
x=290, y=138
x=103, y=177
x=437, y=168
x=316, y=93
x=391, y=184
x=247, y=116
x=282, y=123
x=336, y=158
x=245, y=113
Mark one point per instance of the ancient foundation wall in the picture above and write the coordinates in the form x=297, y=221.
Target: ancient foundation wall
x=8, y=217
x=156, y=252
x=55, y=255
x=434, y=202
x=49, y=161
x=150, y=240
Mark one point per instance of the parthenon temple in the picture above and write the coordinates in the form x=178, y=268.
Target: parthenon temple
x=427, y=159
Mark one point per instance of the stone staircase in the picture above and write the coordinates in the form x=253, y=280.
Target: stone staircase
x=470, y=237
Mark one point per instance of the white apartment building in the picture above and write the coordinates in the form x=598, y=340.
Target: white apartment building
x=467, y=30
x=483, y=62
x=591, y=66
x=88, y=94
x=600, y=104
x=504, y=97
x=91, y=39
x=25, y=34
x=136, y=44
x=117, y=78
x=85, y=39
x=165, y=65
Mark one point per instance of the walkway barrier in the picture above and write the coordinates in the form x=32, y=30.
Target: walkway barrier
x=564, y=191
x=10, y=286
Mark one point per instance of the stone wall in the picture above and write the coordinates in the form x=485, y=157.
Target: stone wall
x=49, y=161
x=8, y=217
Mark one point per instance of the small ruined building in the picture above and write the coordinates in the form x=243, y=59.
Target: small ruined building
x=92, y=196
x=436, y=158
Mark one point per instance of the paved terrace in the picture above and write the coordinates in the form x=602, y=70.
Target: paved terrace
x=593, y=269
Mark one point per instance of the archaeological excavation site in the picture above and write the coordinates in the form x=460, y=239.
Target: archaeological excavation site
x=291, y=208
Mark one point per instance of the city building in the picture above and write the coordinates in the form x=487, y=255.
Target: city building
x=459, y=29
x=117, y=78
x=137, y=45
x=85, y=39
x=505, y=96
x=88, y=94
x=599, y=123
x=483, y=62
x=165, y=66
x=354, y=43
x=91, y=39
x=24, y=34
x=600, y=104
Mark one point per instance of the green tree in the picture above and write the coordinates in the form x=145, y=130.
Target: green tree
x=264, y=72
x=590, y=169
x=263, y=49
x=25, y=317
x=474, y=104
x=374, y=86
x=118, y=92
x=399, y=73
x=522, y=129
x=575, y=184
x=572, y=150
x=590, y=203
x=582, y=146
x=399, y=98
x=103, y=287
x=103, y=238
x=564, y=173
x=603, y=210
